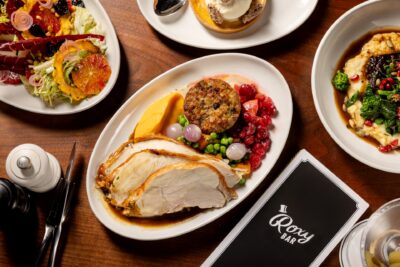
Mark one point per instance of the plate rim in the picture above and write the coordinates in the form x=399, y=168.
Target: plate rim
x=321, y=45
x=54, y=111
x=91, y=192
x=232, y=45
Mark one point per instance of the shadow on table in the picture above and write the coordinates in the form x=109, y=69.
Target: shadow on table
x=98, y=113
x=20, y=236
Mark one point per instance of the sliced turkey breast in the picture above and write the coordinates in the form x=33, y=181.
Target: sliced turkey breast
x=131, y=174
x=158, y=142
x=177, y=187
x=135, y=170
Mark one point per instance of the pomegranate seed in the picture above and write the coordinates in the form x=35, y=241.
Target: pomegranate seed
x=395, y=142
x=398, y=73
x=242, y=134
x=255, y=161
x=249, y=140
x=243, y=98
x=382, y=84
x=247, y=117
x=385, y=149
x=390, y=80
x=251, y=129
x=355, y=77
x=266, y=144
x=262, y=122
x=388, y=86
x=248, y=90
x=258, y=149
x=262, y=133
x=260, y=97
x=368, y=123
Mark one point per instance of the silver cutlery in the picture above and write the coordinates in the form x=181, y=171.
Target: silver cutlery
x=58, y=213
x=167, y=7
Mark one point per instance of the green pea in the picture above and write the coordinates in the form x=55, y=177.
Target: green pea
x=182, y=121
x=210, y=148
x=230, y=140
x=216, y=147
x=213, y=135
x=224, y=141
x=242, y=181
x=181, y=138
x=222, y=149
x=186, y=123
x=195, y=145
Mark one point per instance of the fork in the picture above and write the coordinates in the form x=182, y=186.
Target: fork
x=52, y=219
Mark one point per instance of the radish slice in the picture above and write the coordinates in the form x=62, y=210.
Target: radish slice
x=46, y=3
x=35, y=80
x=21, y=20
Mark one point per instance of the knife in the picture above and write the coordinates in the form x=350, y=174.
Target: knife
x=52, y=220
x=70, y=183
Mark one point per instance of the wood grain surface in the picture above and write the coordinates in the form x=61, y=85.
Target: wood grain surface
x=145, y=55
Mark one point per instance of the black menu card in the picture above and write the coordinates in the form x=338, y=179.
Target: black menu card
x=297, y=222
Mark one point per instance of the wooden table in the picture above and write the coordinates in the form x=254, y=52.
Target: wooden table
x=145, y=55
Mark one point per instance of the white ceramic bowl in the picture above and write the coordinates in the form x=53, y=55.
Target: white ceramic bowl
x=355, y=23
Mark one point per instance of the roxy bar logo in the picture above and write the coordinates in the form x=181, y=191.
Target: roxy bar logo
x=290, y=232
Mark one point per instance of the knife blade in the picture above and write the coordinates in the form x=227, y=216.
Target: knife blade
x=69, y=181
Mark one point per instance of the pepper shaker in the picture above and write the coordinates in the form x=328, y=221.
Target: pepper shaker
x=13, y=198
x=28, y=165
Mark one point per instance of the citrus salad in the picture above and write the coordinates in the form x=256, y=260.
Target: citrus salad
x=55, y=48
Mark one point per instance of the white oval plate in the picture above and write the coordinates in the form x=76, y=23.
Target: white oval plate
x=354, y=24
x=121, y=125
x=18, y=96
x=280, y=17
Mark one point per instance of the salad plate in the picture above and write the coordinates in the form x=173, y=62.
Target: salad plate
x=280, y=18
x=370, y=16
x=19, y=97
x=120, y=127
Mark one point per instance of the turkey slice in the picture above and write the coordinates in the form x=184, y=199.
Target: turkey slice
x=135, y=170
x=177, y=187
x=159, y=142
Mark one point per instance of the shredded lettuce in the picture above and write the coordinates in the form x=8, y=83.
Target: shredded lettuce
x=84, y=22
x=48, y=91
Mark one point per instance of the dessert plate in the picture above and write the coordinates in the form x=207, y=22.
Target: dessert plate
x=279, y=18
x=18, y=96
x=118, y=129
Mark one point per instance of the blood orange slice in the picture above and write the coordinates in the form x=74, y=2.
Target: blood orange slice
x=91, y=74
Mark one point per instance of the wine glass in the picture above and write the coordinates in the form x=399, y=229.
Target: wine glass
x=374, y=242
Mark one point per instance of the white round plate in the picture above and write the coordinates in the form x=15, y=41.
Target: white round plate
x=354, y=24
x=118, y=129
x=18, y=96
x=280, y=17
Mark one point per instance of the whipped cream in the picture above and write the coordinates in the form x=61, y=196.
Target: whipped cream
x=230, y=10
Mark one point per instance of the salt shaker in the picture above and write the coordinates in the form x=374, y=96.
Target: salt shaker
x=33, y=168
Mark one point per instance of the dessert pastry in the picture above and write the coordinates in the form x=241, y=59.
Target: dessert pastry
x=227, y=16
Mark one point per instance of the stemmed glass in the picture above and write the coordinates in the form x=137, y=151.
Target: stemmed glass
x=374, y=242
